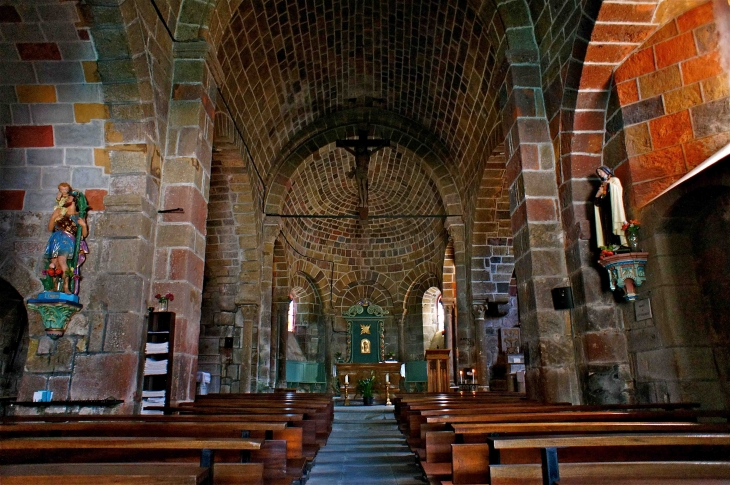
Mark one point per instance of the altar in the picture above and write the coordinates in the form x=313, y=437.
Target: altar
x=387, y=378
x=366, y=353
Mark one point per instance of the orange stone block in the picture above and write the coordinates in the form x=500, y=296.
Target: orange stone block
x=91, y=72
x=637, y=139
x=36, y=93
x=697, y=151
x=657, y=164
x=675, y=50
x=636, y=65
x=101, y=159
x=702, y=67
x=628, y=92
x=626, y=12
x=697, y=16
x=666, y=32
x=660, y=82
x=681, y=99
x=595, y=76
x=671, y=130
x=716, y=88
x=95, y=198
x=85, y=112
x=607, y=52
x=644, y=192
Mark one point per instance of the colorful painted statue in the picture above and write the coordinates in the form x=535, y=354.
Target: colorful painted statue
x=609, y=210
x=66, y=249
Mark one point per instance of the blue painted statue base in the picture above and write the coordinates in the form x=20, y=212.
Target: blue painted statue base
x=54, y=297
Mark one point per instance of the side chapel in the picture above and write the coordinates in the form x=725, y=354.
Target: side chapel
x=260, y=168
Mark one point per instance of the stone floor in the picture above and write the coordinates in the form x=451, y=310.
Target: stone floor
x=365, y=447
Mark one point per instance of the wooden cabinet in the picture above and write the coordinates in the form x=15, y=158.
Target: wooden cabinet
x=157, y=361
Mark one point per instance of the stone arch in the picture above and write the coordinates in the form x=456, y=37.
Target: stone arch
x=13, y=339
x=414, y=332
x=492, y=256
x=428, y=270
x=686, y=235
x=316, y=277
x=309, y=330
x=363, y=284
x=344, y=124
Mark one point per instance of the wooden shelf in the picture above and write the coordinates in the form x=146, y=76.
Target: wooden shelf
x=160, y=330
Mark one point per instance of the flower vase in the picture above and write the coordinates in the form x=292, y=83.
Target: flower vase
x=633, y=240
x=162, y=307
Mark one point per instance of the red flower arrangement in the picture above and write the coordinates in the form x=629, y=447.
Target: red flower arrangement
x=167, y=297
x=631, y=227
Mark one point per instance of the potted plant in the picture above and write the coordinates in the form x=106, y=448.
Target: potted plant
x=365, y=387
x=390, y=357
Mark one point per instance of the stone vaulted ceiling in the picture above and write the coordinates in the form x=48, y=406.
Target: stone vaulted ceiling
x=289, y=63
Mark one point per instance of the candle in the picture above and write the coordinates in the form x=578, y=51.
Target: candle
x=461, y=377
x=387, y=378
x=473, y=375
x=347, y=379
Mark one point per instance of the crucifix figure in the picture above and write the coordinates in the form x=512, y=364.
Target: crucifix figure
x=359, y=148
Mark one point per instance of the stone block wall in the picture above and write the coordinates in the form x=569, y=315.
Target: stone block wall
x=674, y=93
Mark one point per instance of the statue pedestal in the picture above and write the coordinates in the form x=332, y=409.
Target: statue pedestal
x=56, y=310
x=626, y=271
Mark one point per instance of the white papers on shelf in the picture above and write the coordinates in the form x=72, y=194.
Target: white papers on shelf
x=152, y=398
x=155, y=367
x=160, y=348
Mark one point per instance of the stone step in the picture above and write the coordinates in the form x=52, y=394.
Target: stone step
x=365, y=447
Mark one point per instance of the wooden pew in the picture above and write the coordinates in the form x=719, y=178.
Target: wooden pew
x=281, y=460
x=550, y=450
x=443, y=453
x=105, y=474
x=125, y=449
x=626, y=473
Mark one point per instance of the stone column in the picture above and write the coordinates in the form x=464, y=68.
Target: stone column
x=463, y=336
x=272, y=228
x=329, y=321
x=448, y=338
x=282, y=334
x=402, y=337
x=482, y=354
x=246, y=317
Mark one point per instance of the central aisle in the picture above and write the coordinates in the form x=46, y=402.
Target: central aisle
x=365, y=447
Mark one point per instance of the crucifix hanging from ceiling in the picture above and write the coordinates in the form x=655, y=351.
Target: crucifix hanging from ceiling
x=359, y=148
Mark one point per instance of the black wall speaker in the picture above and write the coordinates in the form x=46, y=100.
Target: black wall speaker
x=562, y=298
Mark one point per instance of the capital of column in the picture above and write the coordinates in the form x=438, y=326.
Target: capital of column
x=249, y=310
x=479, y=311
x=195, y=49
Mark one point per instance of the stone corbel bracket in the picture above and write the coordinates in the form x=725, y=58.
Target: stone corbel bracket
x=626, y=271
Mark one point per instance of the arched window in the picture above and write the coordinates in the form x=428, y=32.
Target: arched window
x=290, y=315
x=440, y=316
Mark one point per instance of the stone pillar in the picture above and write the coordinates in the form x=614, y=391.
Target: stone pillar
x=464, y=334
x=482, y=353
x=282, y=334
x=329, y=321
x=246, y=317
x=272, y=228
x=402, y=337
x=449, y=339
